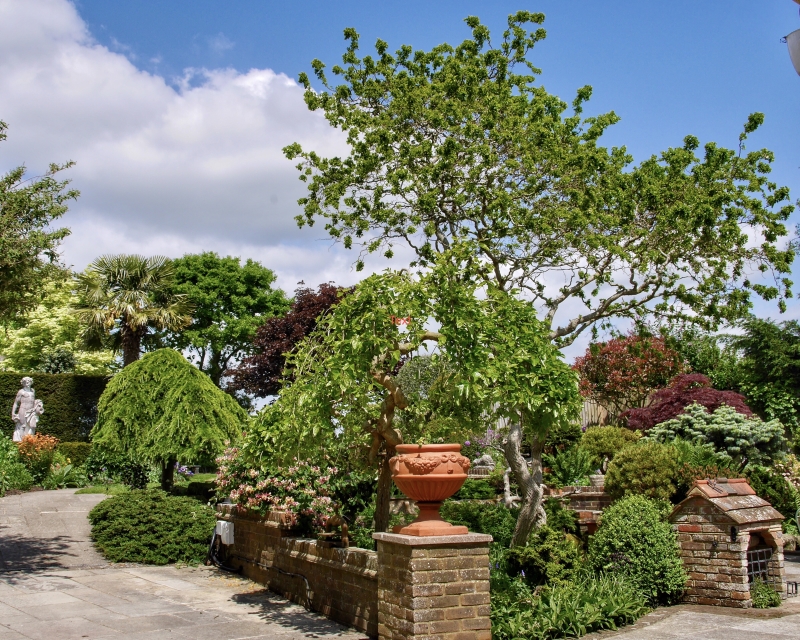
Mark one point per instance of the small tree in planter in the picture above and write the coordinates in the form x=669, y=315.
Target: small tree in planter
x=499, y=358
x=161, y=409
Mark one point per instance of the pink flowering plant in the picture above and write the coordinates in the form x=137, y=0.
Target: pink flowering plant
x=301, y=489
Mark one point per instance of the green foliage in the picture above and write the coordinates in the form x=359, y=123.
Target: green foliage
x=567, y=609
x=562, y=436
x=152, y=527
x=63, y=475
x=48, y=339
x=570, y=467
x=29, y=240
x=549, y=557
x=775, y=489
x=455, y=144
x=231, y=300
x=70, y=403
x=635, y=540
x=605, y=442
x=481, y=517
x=648, y=469
x=13, y=473
x=745, y=440
x=764, y=595
x=109, y=467
x=121, y=298
x=75, y=452
x=475, y=490
x=161, y=409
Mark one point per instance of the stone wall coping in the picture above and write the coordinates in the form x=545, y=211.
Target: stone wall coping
x=433, y=541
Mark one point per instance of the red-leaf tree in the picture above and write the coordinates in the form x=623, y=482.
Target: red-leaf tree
x=261, y=373
x=683, y=390
x=623, y=372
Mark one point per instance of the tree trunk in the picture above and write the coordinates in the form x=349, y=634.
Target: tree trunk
x=131, y=345
x=529, y=480
x=383, y=492
x=168, y=475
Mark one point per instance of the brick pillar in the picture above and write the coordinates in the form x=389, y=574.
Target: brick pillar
x=433, y=587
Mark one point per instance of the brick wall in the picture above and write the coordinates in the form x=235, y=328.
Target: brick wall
x=342, y=584
x=433, y=587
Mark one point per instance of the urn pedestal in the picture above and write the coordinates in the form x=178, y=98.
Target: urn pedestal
x=429, y=474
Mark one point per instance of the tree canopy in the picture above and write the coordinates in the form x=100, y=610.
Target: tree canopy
x=122, y=297
x=231, y=301
x=461, y=144
x=48, y=333
x=28, y=240
x=162, y=409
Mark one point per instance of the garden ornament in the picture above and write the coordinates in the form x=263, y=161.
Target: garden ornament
x=484, y=462
x=25, y=411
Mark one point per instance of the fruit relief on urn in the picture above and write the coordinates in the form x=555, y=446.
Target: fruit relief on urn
x=429, y=474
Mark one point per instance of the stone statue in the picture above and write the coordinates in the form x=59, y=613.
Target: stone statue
x=484, y=462
x=26, y=411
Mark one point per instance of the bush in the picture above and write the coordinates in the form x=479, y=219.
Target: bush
x=75, y=452
x=562, y=437
x=13, y=473
x=70, y=403
x=38, y=452
x=775, y=489
x=559, y=518
x=649, y=469
x=603, y=443
x=475, y=490
x=763, y=595
x=569, y=468
x=549, y=557
x=745, y=440
x=108, y=467
x=635, y=540
x=152, y=527
x=481, y=517
x=566, y=610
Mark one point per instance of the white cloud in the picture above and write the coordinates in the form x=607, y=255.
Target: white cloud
x=220, y=43
x=161, y=168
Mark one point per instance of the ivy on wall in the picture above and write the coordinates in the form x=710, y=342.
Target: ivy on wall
x=70, y=403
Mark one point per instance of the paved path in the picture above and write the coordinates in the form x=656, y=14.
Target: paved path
x=55, y=586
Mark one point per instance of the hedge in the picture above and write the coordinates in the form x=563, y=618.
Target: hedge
x=70, y=403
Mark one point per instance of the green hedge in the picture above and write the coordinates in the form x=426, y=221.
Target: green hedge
x=70, y=403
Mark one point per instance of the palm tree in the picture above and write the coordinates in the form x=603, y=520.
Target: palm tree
x=122, y=296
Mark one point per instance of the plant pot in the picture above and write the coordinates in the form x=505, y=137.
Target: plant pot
x=597, y=480
x=429, y=474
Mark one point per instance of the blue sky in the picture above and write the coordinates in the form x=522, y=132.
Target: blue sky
x=175, y=112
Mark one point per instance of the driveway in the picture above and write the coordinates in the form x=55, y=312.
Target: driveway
x=55, y=586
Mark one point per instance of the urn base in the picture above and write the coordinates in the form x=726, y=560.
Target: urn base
x=430, y=523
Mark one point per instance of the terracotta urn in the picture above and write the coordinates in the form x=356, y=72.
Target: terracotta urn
x=429, y=474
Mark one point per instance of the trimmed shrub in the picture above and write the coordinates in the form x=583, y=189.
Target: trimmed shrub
x=152, y=527
x=70, y=403
x=649, y=469
x=603, y=443
x=76, y=452
x=635, y=540
x=549, y=557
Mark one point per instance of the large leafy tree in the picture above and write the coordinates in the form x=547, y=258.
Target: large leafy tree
x=50, y=334
x=263, y=372
x=123, y=297
x=462, y=143
x=498, y=356
x=161, y=409
x=28, y=240
x=231, y=301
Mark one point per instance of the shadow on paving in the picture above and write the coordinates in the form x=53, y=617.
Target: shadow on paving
x=277, y=610
x=20, y=553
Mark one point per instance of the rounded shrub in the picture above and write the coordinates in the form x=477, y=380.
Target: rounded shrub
x=152, y=527
x=649, y=469
x=605, y=442
x=635, y=541
x=549, y=557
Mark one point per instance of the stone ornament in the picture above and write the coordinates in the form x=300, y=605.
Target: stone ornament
x=26, y=410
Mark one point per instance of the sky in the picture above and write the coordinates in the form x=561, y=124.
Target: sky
x=176, y=112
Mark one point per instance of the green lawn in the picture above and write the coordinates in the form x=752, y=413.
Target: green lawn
x=110, y=489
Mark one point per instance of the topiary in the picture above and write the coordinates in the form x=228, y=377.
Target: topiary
x=635, y=540
x=744, y=440
x=549, y=557
x=649, y=469
x=152, y=527
x=605, y=442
